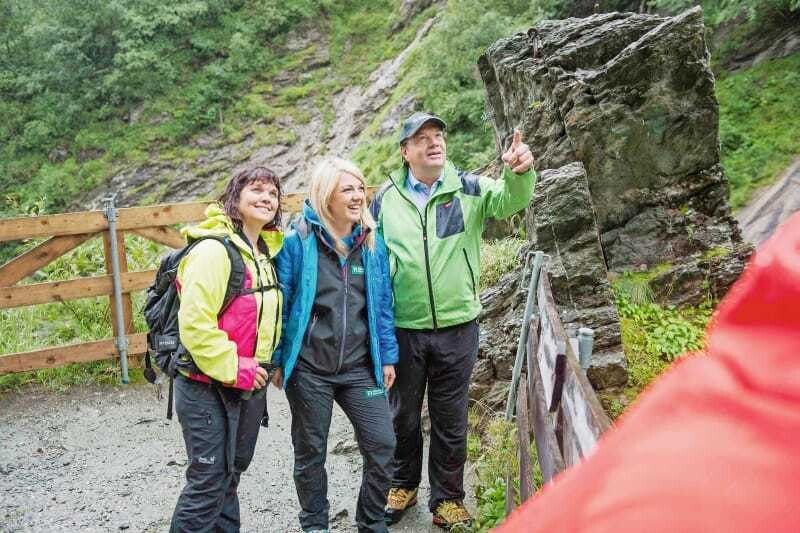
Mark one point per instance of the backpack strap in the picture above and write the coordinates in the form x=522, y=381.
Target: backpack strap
x=237, y=277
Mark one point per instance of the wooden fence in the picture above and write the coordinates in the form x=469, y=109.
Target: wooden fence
x=555, y=404
x=66, y=232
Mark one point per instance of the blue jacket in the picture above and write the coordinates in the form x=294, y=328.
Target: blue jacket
x=297, y=274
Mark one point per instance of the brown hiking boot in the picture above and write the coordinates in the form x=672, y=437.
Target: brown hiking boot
x=450, y=514
x=398, y=502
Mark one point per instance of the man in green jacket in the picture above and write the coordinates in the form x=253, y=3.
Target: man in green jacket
x=431, y=215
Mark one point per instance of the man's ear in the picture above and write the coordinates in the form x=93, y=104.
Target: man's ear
x=403, y=151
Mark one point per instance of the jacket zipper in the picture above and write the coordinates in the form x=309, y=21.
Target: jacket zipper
x=314, y=318
x=277, y=305
x=471, y=274
x=424, y=221
x=345, y=272
x=259, y=289
x=260, y=307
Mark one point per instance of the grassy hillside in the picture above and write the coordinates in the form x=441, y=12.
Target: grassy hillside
x=758, y=125
x=91, y=89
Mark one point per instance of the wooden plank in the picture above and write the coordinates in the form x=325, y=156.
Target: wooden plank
x=160, y=215
x=550, y=460
x=552, y=345
x=58, y=291
x=29, y=262
x=95, y=221
x=524, y=442
x=73, y=353
x=583, y=416
x=128, y=218
x=55, y=225
x=127, y=305
x=162, y=235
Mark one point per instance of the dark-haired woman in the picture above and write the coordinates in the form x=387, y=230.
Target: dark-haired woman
x=226, y=347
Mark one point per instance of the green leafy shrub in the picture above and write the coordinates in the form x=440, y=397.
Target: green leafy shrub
x=653, y=335
x=494, y=453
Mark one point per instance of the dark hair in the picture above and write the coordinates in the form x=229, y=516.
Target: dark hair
x=233, y=190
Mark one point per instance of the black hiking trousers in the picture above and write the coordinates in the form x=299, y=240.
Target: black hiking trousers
x=442, y=361
x=220, y=431
x=311, y=396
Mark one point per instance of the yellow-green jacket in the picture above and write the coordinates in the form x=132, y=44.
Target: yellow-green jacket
x=227, y=347
x=435, y=253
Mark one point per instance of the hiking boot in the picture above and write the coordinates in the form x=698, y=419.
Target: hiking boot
x=398, y=502
x=451, y=513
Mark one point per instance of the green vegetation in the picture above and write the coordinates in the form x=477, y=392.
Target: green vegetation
x=717, y=12
x=654, y=335
x=73, y=76
x=497, y=258
x=60, y=379
x=442, y=76
x=492, y=449
x=759, y=131
x=88, y=90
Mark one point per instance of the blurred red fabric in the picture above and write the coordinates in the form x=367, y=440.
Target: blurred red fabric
x=714, y=444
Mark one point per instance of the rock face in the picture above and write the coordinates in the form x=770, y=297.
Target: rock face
x=631, y=98
x=562, y=224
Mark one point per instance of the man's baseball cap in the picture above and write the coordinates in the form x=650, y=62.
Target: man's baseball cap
x=412, y=124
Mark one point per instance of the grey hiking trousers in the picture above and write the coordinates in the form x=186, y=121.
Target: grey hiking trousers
x=220, y=431
x=311, y=398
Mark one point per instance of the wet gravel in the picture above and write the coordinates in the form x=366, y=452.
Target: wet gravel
x=106, y=459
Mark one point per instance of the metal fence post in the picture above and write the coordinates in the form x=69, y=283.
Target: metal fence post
x=585, y=346
x=120, y=337
x=538, y=258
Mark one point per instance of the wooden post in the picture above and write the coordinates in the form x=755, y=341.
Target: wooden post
x=127, y=305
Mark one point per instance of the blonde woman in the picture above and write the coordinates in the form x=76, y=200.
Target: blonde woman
x=338, y=341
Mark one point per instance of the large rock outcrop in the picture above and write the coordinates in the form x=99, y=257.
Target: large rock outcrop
x=623, y=105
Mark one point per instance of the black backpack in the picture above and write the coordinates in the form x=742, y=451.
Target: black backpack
x=161, y=313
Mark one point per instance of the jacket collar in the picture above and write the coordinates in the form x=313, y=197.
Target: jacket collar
x=218, y=224
x=450, y=180
x=316, y=225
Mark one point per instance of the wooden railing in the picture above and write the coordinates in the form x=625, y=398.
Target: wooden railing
x=66, y=232
x=555, y=404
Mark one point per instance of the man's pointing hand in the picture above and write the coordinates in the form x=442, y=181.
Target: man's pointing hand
x=518, y=156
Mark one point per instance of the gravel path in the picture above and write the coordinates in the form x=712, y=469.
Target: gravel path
x=106, y=459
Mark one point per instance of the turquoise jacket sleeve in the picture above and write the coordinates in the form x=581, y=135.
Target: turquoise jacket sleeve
x=385, y=311
x=288, y=264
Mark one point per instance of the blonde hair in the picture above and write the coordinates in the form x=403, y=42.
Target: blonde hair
x=324, y=181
